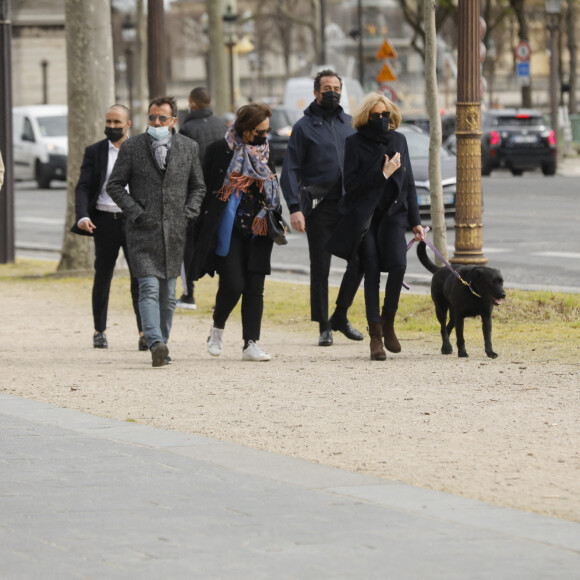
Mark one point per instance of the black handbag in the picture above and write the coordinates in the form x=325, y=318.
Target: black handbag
x=277, y=227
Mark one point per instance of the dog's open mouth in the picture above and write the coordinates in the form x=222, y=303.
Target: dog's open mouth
x=498, y=301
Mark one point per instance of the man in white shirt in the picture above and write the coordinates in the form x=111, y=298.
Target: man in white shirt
x=99, y=216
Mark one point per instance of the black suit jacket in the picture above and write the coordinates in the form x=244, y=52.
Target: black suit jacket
x=92, y=176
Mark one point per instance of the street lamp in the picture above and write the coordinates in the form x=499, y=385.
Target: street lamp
x=44, y=66
x=7, y=247
x=230, y=17
x=553, y=9
x=468, y=211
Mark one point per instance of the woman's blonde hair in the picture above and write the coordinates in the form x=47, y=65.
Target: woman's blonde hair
x=366, y=106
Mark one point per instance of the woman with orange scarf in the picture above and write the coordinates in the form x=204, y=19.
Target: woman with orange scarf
x=233, y=239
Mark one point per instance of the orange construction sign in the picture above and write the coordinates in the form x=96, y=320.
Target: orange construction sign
x=386, y=75
x=386, y=51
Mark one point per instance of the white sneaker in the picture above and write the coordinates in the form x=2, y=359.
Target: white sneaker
x=186, y=302
x=254, y=352
x=214, y=341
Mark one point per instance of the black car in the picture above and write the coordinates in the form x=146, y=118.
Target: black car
x=418, y=143
x=281, y=124
x=517, y=139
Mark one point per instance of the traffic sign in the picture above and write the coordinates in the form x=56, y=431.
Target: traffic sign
x=523, y=72
x=386, y=74
x=523, y=51
x=389, y=92
x=386, y=51
x=523, y=68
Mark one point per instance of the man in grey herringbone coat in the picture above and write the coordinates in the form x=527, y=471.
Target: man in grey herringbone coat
x=166, y=189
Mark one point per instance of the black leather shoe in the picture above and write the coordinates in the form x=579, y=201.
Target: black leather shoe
x=159, y=354
x=325, y=338
x=100, y=340
x=347, y=329
x=143, y=343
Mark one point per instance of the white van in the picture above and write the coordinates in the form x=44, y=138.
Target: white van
x=299, y=93
x=40, y=143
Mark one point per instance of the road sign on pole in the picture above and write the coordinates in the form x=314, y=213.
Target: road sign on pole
x=386, y=51
x=523, y=72
x=389, y=92
x=523, y=51
x=386, y=74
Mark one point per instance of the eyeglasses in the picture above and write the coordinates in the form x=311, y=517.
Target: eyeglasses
x=262, y=132
x=162, y=118
x=375, y=116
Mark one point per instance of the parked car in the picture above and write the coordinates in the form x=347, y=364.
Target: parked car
x=517, y=139
x=422, y=121
x=281, y=124
x=40, y=143
x=418, y=142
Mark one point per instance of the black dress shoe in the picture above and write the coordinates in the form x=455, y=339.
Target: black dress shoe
x=347, y=329
x=325, y=338
x=100, y=340
x=159, y=354
x=143, y=343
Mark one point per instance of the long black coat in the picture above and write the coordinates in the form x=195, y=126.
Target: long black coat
x=216, y=162
x=364, y=187
x=168, y=199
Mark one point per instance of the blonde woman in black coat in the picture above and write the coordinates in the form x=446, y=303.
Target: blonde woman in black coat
x=379, y=204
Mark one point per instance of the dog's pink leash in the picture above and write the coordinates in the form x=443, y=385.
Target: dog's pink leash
x=447, y=264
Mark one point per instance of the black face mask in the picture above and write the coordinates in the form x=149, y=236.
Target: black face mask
x=330, y=100
x=380, y=125
x=259, y=140
x=113, y=134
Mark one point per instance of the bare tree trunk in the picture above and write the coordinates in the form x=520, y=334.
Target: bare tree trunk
x=141, y=77
x=573, y=50
x=156, y=62
x=218, y=65
x=91, y=90
x=316, y=31
x=431, y=99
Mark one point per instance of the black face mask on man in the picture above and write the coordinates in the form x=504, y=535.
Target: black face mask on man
x=113, y=134
x=330, y=100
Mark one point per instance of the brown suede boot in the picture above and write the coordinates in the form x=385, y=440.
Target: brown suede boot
x=377, y=350
x=391, y=342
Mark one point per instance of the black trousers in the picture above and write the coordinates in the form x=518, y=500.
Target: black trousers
x=372, y=271
x=237, y=281
x=109, y=239
x=319, y=227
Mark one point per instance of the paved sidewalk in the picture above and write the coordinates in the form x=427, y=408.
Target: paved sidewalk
x=86, y=497
x=569, y=166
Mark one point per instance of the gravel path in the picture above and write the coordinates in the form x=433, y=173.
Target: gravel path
x=506, y=431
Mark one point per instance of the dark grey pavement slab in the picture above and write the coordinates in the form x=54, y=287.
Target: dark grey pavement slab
x=86, y=497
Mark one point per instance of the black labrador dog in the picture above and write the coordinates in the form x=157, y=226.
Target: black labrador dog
x=449, y=294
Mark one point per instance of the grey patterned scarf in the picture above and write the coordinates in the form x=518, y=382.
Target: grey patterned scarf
x=161, y=148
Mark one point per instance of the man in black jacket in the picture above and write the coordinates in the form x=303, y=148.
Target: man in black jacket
x=314, y=159
x=98, y=215
x=204, y=127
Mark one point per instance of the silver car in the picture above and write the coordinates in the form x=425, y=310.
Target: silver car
x=418, y=142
